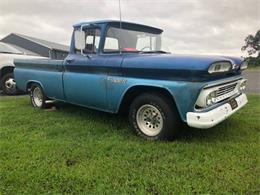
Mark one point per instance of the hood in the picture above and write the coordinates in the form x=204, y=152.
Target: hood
x=174, y=61
x=173, y=65
x=7, y=59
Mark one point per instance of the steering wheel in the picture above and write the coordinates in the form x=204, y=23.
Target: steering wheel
x=146, y=47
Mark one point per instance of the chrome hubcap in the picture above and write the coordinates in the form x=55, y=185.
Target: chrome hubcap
x=149, y=120
x=10, y=84
x=37, y=96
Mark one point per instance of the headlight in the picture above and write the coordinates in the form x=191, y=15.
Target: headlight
x=211, y=98
x=219, y=67
x=242, y=86
x=244, y=65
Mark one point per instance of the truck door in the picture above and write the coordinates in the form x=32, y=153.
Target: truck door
x=85, y=76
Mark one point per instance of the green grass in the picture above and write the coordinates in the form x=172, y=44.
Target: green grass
x=75, y=150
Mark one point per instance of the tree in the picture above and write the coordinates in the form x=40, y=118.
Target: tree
x=252, y=44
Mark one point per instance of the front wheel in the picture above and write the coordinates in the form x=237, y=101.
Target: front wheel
x=154, y=117
x=37, y=96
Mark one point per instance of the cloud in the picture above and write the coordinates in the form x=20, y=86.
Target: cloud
x=190, y=26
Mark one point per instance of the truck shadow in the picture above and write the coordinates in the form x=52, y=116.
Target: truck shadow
x=20, y=94
x=119, y=125
x=97, y=122
x=218, y=133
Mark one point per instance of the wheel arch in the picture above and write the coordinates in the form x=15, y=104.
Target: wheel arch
x=31, y=82
x=6, y=69
x=136, y=90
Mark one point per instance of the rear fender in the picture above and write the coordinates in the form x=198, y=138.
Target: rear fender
x=30, y=82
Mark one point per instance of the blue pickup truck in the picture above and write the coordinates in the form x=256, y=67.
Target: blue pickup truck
x=121, y=67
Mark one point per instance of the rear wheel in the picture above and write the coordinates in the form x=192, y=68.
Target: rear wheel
x=8, y=84
x=37, y=96
x=154, y=117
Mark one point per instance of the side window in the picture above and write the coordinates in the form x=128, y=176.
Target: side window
x=111, y=45
x=92, y=40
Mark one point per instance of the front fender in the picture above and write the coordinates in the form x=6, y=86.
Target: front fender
x=183, y=93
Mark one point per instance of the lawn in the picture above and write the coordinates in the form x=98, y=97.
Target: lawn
x=76, y=150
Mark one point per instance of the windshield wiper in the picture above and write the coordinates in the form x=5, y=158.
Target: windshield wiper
x=154, y=51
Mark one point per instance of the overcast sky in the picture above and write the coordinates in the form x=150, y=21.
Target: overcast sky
x=190, y=26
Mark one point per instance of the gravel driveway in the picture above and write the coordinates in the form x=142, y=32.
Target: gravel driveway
x=253, y=81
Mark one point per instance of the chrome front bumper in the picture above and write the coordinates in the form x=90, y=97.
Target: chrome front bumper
x=204, y=120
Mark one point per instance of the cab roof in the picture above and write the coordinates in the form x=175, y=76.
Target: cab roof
x=124, y=24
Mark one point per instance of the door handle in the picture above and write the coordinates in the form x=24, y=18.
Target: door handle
x=70, y=60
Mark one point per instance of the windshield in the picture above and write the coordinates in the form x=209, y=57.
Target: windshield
x=131, y=41
x=5, y=48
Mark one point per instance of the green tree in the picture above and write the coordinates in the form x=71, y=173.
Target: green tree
x=252, y=46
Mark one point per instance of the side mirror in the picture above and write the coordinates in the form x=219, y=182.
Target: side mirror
x=80, y=40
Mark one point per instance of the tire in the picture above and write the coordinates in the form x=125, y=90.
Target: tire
x=8, y=84
x=38, y=99
x=154, y=117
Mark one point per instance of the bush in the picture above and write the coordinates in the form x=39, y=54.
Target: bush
x=253, y=61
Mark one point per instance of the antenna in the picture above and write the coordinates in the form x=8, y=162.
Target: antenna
x=120, y=23
x=120, y=17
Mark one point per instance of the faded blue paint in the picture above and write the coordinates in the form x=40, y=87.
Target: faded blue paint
x=184, y=98
x=100, y=81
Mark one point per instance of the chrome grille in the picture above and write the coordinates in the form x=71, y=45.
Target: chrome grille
x=226, y=89
x=217, y=93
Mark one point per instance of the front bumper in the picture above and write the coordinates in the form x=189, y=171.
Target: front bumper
x=204, y=120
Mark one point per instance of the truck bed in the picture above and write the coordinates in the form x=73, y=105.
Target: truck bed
x=45, y=71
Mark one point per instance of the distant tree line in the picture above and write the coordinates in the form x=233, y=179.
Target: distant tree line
x=252, y=46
